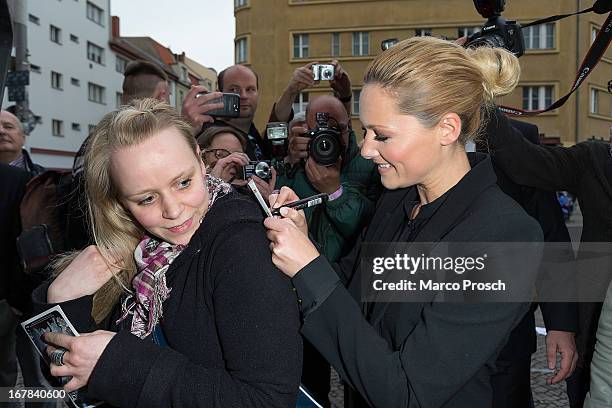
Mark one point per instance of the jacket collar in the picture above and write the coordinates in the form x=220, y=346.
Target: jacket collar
x=460, y=198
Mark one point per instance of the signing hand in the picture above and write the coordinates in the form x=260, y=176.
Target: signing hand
x=195, y=108
x=87, y=273
x=286, y=196
x=291, y=249
x=82, y=355
x=563, y=343
x=325, y=179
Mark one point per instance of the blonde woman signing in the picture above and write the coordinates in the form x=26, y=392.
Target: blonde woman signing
x=422, y=100
x=195, y=313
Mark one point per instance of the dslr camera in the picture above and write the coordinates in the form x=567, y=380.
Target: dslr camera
x=497, y=31
x=261, y=169
x=323, y=72
x=325, y=146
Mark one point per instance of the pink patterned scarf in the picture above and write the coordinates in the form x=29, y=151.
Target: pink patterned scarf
x=153, y=258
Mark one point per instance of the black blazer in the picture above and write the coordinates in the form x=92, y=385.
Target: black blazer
x=428, y=354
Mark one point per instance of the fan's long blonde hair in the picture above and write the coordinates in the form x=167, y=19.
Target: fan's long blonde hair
x=116, y=233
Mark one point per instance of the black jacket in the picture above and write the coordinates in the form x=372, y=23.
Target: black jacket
x=14, y=285
x=428, y=354
x=544, y=207
x=231, y=323
x=582, y=170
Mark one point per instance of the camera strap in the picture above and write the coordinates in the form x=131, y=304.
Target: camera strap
x=600, y=7
x=592, y=58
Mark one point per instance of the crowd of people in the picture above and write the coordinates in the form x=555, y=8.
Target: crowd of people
x=187, y=295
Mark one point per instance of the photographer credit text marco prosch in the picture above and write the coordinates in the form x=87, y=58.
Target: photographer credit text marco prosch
x=431, y=285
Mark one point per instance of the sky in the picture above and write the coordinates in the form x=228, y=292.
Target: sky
x=204, y=29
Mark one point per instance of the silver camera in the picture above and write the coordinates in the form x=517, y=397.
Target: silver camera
x=323, y=72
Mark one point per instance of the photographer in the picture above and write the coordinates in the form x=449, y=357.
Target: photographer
x=236, y=79
x=585, y=170
x=303, y=78
x=353, y=185
x=352, y=182
x=223, y=153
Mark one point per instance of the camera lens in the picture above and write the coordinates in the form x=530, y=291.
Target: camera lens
x=262, y=170
x=325, y=149
x=328, y=74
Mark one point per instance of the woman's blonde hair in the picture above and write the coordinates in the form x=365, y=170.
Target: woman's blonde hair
x=430, y=77
x=116, y=233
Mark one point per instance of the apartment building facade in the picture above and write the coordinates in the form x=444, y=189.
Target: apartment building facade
x=73, y=80
x=274, y=37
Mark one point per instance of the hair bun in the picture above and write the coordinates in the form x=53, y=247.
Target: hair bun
x=500, y=70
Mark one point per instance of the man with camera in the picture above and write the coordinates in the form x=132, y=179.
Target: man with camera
x=309, y=75
x=238, y=80
x=324, y=157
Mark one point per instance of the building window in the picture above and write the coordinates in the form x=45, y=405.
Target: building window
x=594, y=105
x=33, y=19
x=120, y=64
x=300, y=102
x=241, y=51
x=540, y=37
x=74, y=38
x=467, y=31
x=95, y=53
x=335, y=45
x=35, y=68
x=76, y=127
x=118, y=100
x=57, y=127
x=537, y=97
x=594, y=34
x=95, y=13
x=240, y=3
x=75, y=82
x=56, y=80
x=422, y=32
x=356, y=95
x=184, y=74
x=95, y=93
x=300, y=45
x=361, y=43
x=55, y=34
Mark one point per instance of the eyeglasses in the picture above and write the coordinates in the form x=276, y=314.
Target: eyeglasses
x=218, y=153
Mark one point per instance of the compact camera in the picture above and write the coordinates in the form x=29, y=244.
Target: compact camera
x=277, y=134
x=323, y=72
x=231, y=105
x=325, y=146
x=261, y=169
x=497, y=31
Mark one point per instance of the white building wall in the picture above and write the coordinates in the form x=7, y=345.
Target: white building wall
x=70, y=105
